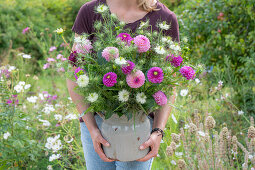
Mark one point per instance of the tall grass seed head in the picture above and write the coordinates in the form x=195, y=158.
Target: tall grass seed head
x=192, y=128
x=169, y=151
x=173, y=145
x=224, y=133
x=175, y=137
x=181, y=164
x=209, y=122
x=251, y=132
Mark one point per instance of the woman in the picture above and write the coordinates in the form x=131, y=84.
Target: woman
x=131, y=12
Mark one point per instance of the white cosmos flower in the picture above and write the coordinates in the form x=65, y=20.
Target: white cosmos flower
x=164, y=39
x=164, y=26
x=173, y=162
x=22, y=83
x=54, y=157
x=184, y=92
x=83, y=80
x=102, y=8
x=48, y=108
x=123, y=95
x=240, y=112
x=160, y=50
x=26, y=56
x=71, y=116
x=6, y=135
x=58, y=117
x=141, y=98
x=92, y=97
x=32, y=99
x=120, y=61
x=45, y=122
x=197, y=80
x=11, y=68
x=27, y=86
x=18, y=88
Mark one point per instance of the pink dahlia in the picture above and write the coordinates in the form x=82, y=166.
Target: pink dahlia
x=187, y=72
x=155, y=75
x=110, y=79
x=175, y=61
x=135, y=80
x=142, y=43
x=84, y=47
x=77, y=72
x=160, y=98
x=125, y=37
x=128, y=67
x=110, y=53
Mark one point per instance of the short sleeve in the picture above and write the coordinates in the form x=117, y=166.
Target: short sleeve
x=174, y=27
x=83, y=21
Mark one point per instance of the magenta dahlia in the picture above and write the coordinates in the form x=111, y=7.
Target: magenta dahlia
x=128, y=67
x=187, y=72
x=77, y=72
x=110, y=53
x=125, y=37
x=72, y=58
x=160, y=98
x=175, y=61
x=135, y=80
x=142, y=43
x=155, y=75
x=110, y=79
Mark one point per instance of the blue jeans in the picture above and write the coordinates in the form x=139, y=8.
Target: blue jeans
x=94, y=162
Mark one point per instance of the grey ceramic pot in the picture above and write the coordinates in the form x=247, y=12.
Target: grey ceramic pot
x=124, y=138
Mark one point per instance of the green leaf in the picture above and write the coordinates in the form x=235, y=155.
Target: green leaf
x=100, y=59
x=108, y=114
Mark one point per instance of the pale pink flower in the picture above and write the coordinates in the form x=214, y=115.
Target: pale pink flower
x=135, y=80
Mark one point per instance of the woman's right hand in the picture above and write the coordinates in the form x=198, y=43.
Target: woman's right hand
x=98, y=140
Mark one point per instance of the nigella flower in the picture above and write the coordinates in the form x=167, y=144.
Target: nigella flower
x=155, y=75
x=187, y=72
x=135, y=80
x=92, y=97
x=25, y=30
x=175, y=61
x=110, y=53
x=77, y=72
x=160, y=98
x=110, y=79
x=72, y=58
x=123, y=95
x=142, y=43
x=128, y=67
x=125, y=37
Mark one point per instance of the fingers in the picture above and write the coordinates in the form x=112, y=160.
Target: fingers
x=101, y=154
x=146, y=144
x=151, y=154
x=103, y=141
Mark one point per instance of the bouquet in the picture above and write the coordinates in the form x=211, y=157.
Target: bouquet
x=123, y=72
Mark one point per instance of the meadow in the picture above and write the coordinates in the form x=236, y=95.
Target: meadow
x=211, y=125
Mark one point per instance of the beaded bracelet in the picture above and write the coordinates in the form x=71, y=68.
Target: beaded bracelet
x=158, y=130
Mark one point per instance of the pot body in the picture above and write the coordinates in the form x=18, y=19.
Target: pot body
x=125, y=137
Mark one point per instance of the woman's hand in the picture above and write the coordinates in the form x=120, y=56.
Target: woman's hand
x=97, y=140
x=154, y=143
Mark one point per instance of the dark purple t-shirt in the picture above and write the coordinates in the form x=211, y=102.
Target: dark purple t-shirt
x=87, y=16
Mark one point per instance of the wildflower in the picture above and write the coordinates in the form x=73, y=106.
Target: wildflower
x=102, y=8
x=184, y=92
x=53, y=48
x=142, y=43
x=120, y=61
x=220, y=83
x=110, y=79
x=32, y=99
x=135, y=80
x=48, y=109
x=173, y=162
x=164, y=26
x=11, y=68
x=143, y=24
x=61, y=69
x=251, y=132
x=49, y=167
x=84, y=47
x=35, y=78
x=240, y=112
x=160, y=50
x=126, y=69
x=25, y=30
x=160, y=98
x=26, y=56
x=45, y=66
x=92, y=97
x=123, y=95
x=73, y=58
x=71, y=116
x=110, y=53
x=210, y=122
x=175, y=137
x=45, y=122
x=66, y=138
x=6, y=135
x=175, y=61
x=185, y=39
x=187, y=72
x=155, y=75
x=58, y=117
x=59, y=31
x=54, y=157
x=18, y=88
x=83, y=80
x=125, y=37
x=59, y=56
x=178, y=154
x=181, y=164
x=197, y=80
x=141, y=97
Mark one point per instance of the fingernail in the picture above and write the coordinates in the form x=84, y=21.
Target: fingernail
x=141, y=147
x=107, y=144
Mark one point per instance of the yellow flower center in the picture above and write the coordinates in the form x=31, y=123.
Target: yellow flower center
x=108, y=76
x=155, y=73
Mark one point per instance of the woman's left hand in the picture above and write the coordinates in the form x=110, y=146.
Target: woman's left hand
x=154, y=143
